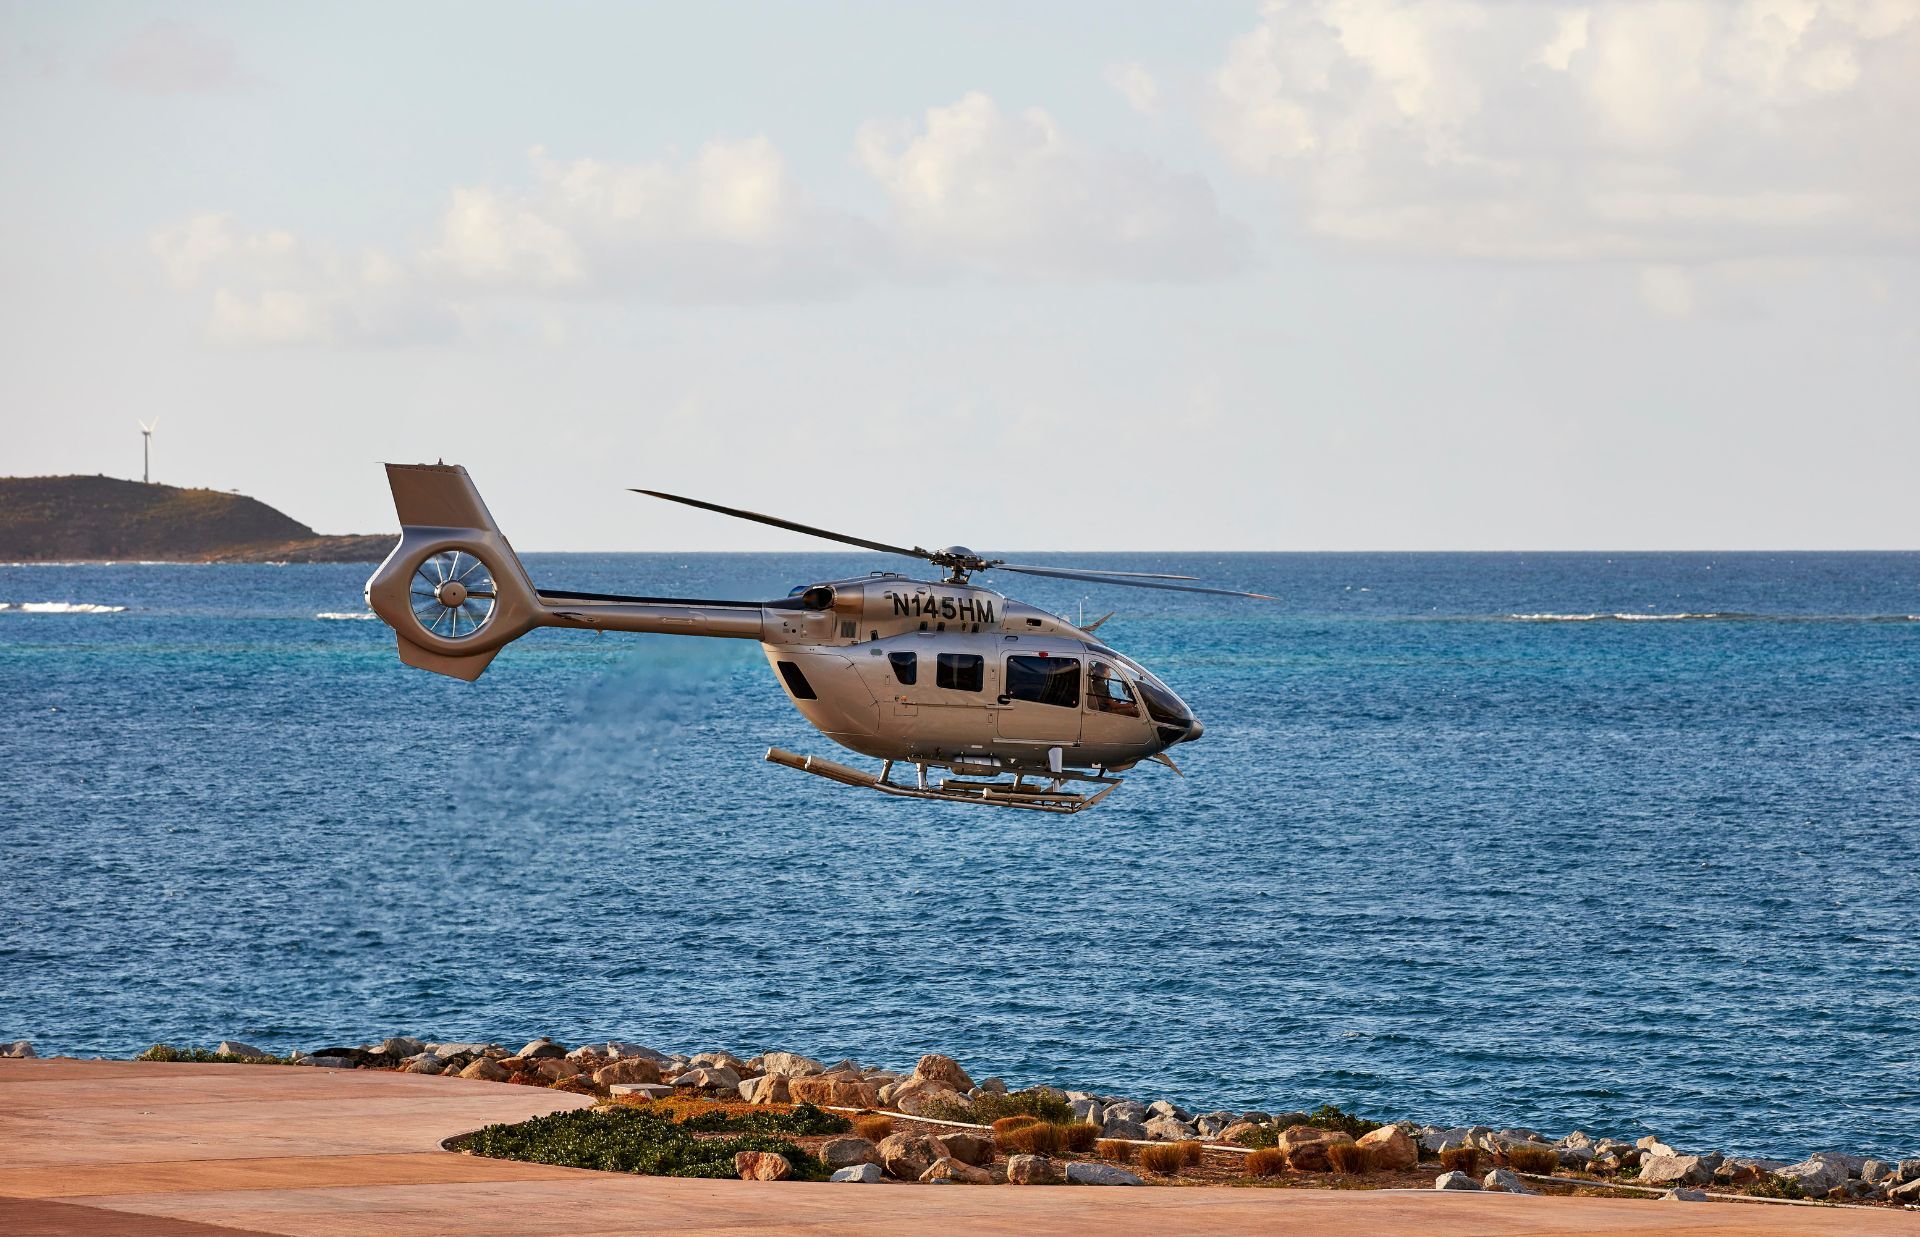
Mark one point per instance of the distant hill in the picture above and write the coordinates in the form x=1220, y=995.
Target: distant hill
x=79, y=518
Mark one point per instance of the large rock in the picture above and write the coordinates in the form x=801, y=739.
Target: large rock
x=1660, y=1169
x=1906, y=1192
x=974, y=1149
x=1172, y=1129
x=234, y=1048
x=1120, y=1127
x=860, y=1174
x=1083, y=1110
x=706, y=1078
x=1093, y=1172
x=916, y=1095
x=1033, y=1170
x=426, y=1063
x=762, y=1166
x=948, y=1171
x=486, y=1070
x=790, y=1065
x=620, y=1051
x=1455, y=1181
x=642, y=1090
x=1167, y=1108
x=907, y=1156
x=627, y=1069
x=720, y=1060
x=1306, y=1147
x=944, y=1070
x=542, y=1047
x=393, y=1046
x=1685, y=1194
x=837, y=1092
x=554, y=1069
x=1126, y=1110
x=1392, y=1148
x=1240, y=1131
x=19, y=1048
x=1506, y=1181
x=766, y=1089
x=1816, y=1175
x=841, y=1152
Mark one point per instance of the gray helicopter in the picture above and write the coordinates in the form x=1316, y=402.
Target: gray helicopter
x=1018, y=708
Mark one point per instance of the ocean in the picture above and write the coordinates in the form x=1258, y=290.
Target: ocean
x=1621, y=842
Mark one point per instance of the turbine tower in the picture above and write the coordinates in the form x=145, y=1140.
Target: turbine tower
x=146, y=450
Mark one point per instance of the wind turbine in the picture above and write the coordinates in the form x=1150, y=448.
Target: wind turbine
x=146, y=450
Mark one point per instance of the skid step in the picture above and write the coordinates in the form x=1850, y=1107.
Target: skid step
x=1043, y=796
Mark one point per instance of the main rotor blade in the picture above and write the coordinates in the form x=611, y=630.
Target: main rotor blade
x=789, y=525
x=1094, y=571
x=1093, y=579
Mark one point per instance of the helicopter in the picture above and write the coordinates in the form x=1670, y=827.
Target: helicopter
x=1013, y=706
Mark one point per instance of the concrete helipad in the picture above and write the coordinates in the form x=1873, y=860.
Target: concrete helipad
x=145, y=1148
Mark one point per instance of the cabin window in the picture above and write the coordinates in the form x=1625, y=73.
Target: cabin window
x=906, y=666
x=961, y=672
x=1044, y=680
x=796, y=682
x=1107, y=692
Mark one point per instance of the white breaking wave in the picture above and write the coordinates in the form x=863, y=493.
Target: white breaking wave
x=1615, y=618
x=60, y=607
x=344, y=614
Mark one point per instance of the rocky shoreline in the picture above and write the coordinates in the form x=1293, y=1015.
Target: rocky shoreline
x=939, y=1090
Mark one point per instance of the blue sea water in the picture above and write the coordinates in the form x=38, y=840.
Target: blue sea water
x=1430, y=859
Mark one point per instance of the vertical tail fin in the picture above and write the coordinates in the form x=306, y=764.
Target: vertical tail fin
x=453, y=590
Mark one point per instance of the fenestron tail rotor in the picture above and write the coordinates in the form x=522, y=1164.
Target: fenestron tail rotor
x=452, y=594
x=961, y=562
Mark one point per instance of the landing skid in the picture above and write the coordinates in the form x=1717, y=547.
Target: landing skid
x=1047, y=794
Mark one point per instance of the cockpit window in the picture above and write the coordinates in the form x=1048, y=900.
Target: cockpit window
x=1107, y=692
x=1044, y=680
x=1162, y=705
x=961, y=672
x=906, y=666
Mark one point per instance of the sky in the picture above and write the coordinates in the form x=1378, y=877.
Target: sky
x=1314, y=275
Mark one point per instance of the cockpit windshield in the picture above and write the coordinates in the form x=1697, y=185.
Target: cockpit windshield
x=1162, y=704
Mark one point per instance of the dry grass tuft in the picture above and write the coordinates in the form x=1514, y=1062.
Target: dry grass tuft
x=1167, y=1159
x=873, y=1128
x=1191, y=1152
x=1461, y=1160
x=1119, y=1150
x=1038, y=1138
x=1350, y=1158
x=1013, y=1123
x=1267, y=1162
x=1539, y=1160
x=1080, y=1135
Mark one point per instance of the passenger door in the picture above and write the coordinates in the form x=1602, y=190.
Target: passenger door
x=1040, y=698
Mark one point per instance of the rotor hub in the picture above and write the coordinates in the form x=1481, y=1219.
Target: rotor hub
x=450, y=593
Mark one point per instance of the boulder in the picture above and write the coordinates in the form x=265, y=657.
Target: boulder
x=1093, y=1172
x=1306, y=1147
x=1906, y=1192
x=705, y=1078
x=627, y=1069
x=974, y=1149
x=426, y=1063
x=907, y=1156
x=1685, y=1194
x=1909, y=1170
x=1873, y=1172
x=234, y=1048
x=766, y=1089
x=948, y=1171
x=1210, y=1126
x=943, y=1070
x=486, y=1070
x=1084, y=1110
x=1126, y=1110
x=1816, y=1175
x=1171, y=1129
x=1455, y=1181
x=838, y=1092
x=762, y=1166
x=917, y=1094
x=860, y=1174
x=790, y=1065
x=540, y=1048
x=1167, y=1108
x=1743, y=1172
x=326, y=1061
x=1392, y=1148
x=845, y=1152
x=1239, y=1131
x=1659, y=1169
x=20, y=1049
x=1443, y=1140
x=720, y=1060
x=642, y=1090
x=393, y=1046
x=994, y=1086
x=554, y=1069
x=1505, y=1181
x=1034, y=1170
x=1120, y=1127
x=620, y=1051
x=1653, y=1146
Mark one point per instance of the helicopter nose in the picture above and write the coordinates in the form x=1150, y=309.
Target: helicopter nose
x=1194, y=731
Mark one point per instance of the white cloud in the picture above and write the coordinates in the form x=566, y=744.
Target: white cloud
x=1136, y=85
x=975, y=188
x=176, y=57
x=1671, y=131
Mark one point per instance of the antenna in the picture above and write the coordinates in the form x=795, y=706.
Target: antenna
x=146, y=450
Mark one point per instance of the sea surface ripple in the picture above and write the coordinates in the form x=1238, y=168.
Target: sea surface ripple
x=1437, y=856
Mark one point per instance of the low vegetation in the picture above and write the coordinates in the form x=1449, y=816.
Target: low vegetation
x=1033, y=1138
x=1350, y=1158
x=1538, y=1160
x=630, y=1139
x=1327, y=1117
x=1119, y=1150
x=990, y=1108
x=205, y=1056
x=873, y=1128
x=1461, y=1160
x=1080, y=1135
x=1267, y=1162
x=1166, y=1159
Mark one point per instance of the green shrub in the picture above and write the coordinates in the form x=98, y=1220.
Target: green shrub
x=802, y=1120
x=990, y=1108
x=632, y=1140
x=204, y=1056
x=1327, y=1117
x=1257, y=1137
